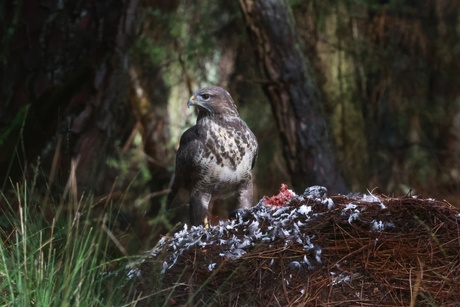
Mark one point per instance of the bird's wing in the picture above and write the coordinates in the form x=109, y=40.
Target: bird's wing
x=187, y=169
x=191, y=146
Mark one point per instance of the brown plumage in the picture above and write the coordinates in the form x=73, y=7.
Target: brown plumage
x=215, y=157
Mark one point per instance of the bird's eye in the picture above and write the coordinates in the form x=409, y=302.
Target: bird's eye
x=205, y=96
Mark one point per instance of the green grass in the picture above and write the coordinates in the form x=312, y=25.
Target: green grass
x=62, y=260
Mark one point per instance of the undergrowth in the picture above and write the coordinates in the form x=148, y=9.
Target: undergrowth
x=60, y=256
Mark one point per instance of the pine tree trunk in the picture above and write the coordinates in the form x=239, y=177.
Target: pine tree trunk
x=63, y=91
x=293, y=94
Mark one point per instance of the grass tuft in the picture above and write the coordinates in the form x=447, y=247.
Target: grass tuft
x=62, y=260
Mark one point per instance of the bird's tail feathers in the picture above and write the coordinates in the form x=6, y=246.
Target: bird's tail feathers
x=178, y=204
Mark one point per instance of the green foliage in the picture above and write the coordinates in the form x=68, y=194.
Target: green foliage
x=131, y=166
x=295, y=2
x=62, y=261
x=185, y=41
x=155, y=53
x=390, y=89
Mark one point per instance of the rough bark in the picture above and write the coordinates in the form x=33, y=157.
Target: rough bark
x=63, y=87
x=293, y=94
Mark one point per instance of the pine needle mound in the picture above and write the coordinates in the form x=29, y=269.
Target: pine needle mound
x=364, y=250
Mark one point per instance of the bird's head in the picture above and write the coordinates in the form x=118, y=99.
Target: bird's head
x=213, y=100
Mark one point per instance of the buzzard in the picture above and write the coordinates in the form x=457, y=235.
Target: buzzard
x=215, y=157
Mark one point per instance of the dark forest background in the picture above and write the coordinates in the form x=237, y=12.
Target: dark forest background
x=353, y=95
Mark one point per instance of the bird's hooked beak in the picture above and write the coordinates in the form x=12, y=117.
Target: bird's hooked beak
x=193, y=101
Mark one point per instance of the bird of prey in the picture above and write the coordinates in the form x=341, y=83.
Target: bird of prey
x=215, y=157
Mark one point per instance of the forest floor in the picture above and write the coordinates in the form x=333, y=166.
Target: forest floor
x=289, y=250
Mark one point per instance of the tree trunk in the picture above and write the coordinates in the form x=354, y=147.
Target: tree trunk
x=63, y=91
x=150, y=94
x=293, y=94
x=150, y=105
